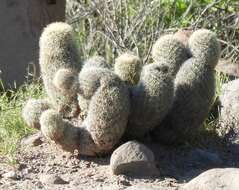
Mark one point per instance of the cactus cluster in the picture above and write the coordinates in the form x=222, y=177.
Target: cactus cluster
x=194, y=89
x=58, y=51
x=171, y=95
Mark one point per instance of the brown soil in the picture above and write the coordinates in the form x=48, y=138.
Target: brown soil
x=36, y=164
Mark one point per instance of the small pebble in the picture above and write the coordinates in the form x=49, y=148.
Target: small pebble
x=11, y=175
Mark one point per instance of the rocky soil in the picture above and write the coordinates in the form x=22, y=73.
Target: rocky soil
x=42, y=165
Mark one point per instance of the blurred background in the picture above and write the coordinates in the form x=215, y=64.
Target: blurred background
x=108, y=28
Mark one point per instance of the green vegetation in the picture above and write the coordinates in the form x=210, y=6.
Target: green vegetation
x=12, y=127
x=111, y=27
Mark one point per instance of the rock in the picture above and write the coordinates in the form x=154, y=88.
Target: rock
x=33, y=140
x=201, y=157
x=226, y=179
x=11, y=175
x=133, y=158
x=227, y=127
x=227, y=89
x=52, y=179
x=143, y=187
x=111, y=187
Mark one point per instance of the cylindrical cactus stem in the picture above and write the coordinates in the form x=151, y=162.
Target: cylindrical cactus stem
x=128, y=67
x=68, y=136
x=151, y=99
x=104, y=125
x=205, y=47
x=67, y=81
x=108, y=112
x=32, y=111
x=88, y=83
x=58, y=51
x=172, y=51
x=194, y=87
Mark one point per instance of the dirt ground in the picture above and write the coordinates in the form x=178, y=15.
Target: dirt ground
x=47, y=167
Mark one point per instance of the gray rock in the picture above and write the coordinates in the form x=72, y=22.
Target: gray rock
x=52, y=179
x=33, y=140
x=11, y=175
x=111, y=187
x=142, y=187
x=229, y=119
x=133, y=158
x=225, y=179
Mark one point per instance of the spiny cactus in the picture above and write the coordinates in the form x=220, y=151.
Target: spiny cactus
x=106, y=119
x=96, y=61
x=58, y=51
x=153, y=96
x=205, y=47
x=88, y=84
x=128, y=67
x=171, y=50
x=151, y=99
x=194, y=88
x=67, y=134
x=32, y=111
x=66, y=81
x=108, y=112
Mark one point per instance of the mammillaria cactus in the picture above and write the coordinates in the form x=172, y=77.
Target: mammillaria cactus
x=128, y=67
x=67, y=134
x=106, y=119
x=108, y=111
x=86, y=72
x=171, y=50
x=167, y=94
x=32, y=111
x=194, y=88
x=88, y=84
x=66, y=81
x=153, y=96
x=58, y=51
x=151, y=99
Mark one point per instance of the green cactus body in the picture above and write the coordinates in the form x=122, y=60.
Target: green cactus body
x=194, y=89
x=108, y=111
x=32, y=111
x=58, y=51
x=128, y=67
x=151, y=99
x=66, y=81
x=169, y=49
x=88, y=83
x=68, y=135
x=106, y=119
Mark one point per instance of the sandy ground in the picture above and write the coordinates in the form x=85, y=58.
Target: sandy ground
x=38, y=167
